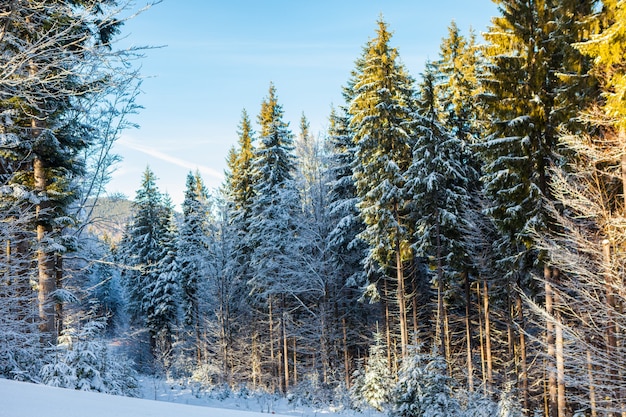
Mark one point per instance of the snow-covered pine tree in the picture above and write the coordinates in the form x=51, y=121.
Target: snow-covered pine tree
x=274, y=234
x=380, y=119
x=21, y=351
x=240, y=190
x=438, y=181
x=191, y=256
x=106, y=287
x=424, y=389
x=83, y=361
x=162, y=293
x=456, y=88
x=347, y=251
x=55, y=59
x=377, y=380
x=141, y=250
x=534, y=84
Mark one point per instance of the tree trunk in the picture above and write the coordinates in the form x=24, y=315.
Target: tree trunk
x=346, y=358
x=558, y=348
x=481, y=337
x=271, y=336
x=468, y=333
x=401, y=293
x=448, y=339
x=592, y=386
x=45, y=260
x=560, y=368
x=488, y=355
x=416, y=336
x=552, y=385
x=256, y=361
x=522, y=352
x=387, y=323
x=285, y=352
x=295, y=363
x=440, y=288
x=611, y=327
x=58, y=308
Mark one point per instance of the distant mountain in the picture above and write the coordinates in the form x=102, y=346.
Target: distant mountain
x=109, y=216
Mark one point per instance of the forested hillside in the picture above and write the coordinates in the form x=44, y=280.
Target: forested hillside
x=452, y=245
x=107, y=216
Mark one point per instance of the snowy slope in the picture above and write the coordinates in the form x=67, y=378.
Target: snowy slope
x=20, y=399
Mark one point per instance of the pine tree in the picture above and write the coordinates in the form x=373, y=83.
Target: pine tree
x=438, y=181
x=424, y=389
x=381, y=112
x=535, y=82
x=589, y=245
x=375, y=389
x=192, y=254
x=55, y=59
x=148, y=252
x=456, y=88
x=274, y=230
x=163, y=291
x=457, y=85
x=347, y=250
x=240, y=190
x=84, y=361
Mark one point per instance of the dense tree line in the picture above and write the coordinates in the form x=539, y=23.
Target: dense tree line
x=462, y=232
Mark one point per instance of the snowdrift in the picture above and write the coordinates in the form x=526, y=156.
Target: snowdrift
x=20, y=399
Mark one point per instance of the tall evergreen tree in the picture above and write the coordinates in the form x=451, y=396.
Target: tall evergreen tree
x=162, y=293
x=456, y=87
x=54, y=59
x=274, y=229
x=381, y=116
x=533, y=75
x=240, y=190
x=438, y=181
x=192, y=254
x=347, y=251
x=143, y=249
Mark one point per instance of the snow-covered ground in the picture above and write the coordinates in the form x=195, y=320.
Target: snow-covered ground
x=20, y=399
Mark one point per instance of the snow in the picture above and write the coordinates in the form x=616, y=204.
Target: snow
x=22, y=399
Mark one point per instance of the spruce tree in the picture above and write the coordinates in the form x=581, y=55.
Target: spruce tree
x=381, y=117
x=55, y=57
x=438, y=181
x=376, y=386
x=147, y=251
x=534, y=84
x=192, y=254
x=274, y=230
x=240, y=190
x=163, y=291
x=424, y=389
x=347, y=251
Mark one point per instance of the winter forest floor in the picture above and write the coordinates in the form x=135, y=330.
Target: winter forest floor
x=20, y=399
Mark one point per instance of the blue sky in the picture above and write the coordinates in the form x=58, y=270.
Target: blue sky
x=219, y=57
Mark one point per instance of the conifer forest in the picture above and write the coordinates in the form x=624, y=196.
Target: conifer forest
x=453, y=245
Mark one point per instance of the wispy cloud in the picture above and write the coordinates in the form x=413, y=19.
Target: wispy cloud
x=171, y=159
